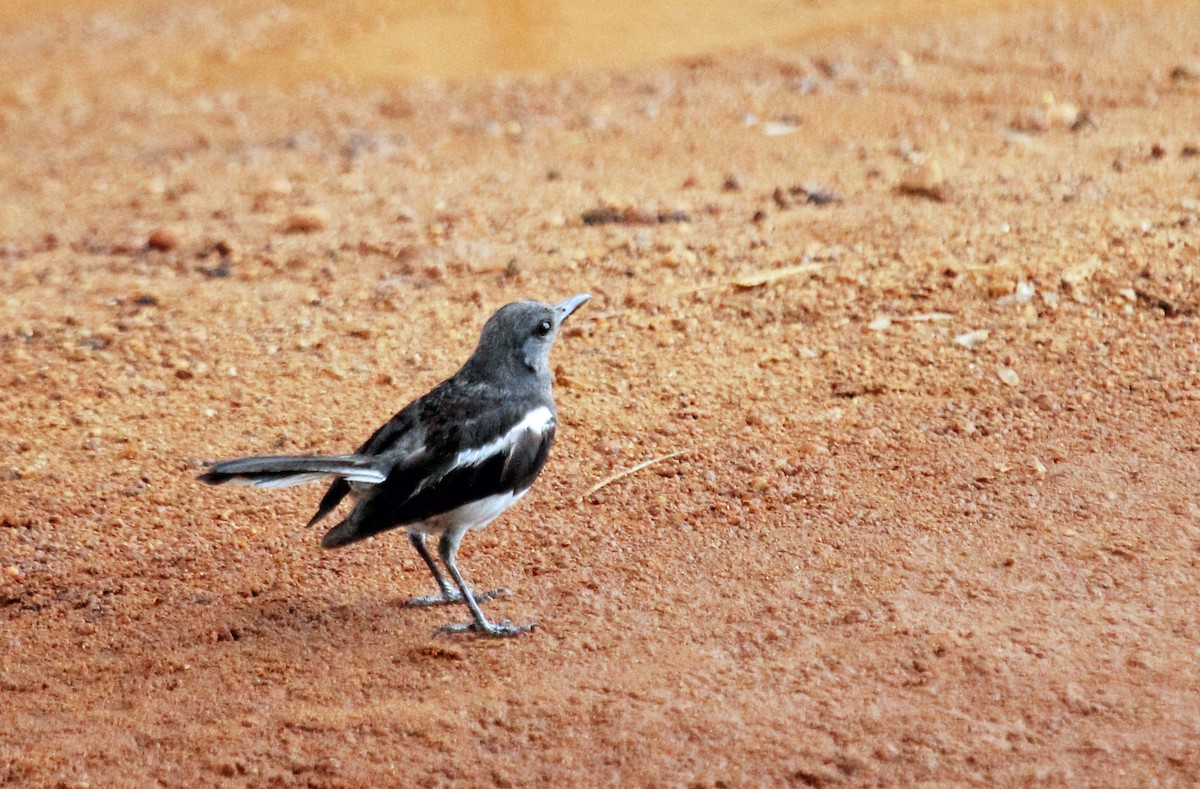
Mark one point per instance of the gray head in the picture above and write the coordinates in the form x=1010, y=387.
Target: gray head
x=516, y=340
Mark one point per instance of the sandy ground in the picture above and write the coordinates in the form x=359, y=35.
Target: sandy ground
x=917, y=310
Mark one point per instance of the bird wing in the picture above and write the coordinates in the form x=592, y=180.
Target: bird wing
x=476, y=444
x=402, y=437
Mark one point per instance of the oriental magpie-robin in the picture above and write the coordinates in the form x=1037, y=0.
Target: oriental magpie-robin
x=450, y=461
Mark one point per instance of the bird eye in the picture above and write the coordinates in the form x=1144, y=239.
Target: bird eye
x=543, y=328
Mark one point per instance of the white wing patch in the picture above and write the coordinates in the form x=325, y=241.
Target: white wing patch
x=539, y=420
x=370, y=476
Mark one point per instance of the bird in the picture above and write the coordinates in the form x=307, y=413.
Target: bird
x=449, y=462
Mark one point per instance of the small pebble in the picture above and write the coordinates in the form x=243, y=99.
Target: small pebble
x=307, y=220
x=1008, y=376
x=163, y=239
x=856, y=616
x=1022, y=293
x=971, y=339
x=927, y=181
x=1062, y=115
x=881, y=323
x=1186, y=71
x=779, y=128
x=226, y=248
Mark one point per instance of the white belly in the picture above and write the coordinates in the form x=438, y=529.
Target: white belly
x=475, y=515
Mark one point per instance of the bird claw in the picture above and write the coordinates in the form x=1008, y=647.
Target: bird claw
x=505, y=629
x=447, y=598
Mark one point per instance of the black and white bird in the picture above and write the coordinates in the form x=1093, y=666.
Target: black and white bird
x=450, y=461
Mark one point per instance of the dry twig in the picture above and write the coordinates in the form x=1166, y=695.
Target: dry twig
x=629, y=471
x=757, y=279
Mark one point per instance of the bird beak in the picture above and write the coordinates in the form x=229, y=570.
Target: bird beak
x=563, y=311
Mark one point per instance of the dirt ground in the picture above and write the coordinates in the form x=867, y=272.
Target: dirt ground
x=914, y=312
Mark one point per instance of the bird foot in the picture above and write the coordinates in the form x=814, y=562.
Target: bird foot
x=503, y=629
x=446, y=598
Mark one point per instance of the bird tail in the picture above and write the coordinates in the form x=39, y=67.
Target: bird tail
x=284, y=471
x=344, y=533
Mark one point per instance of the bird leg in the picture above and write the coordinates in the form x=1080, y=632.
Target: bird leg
x=447, y=548
x=449, y=593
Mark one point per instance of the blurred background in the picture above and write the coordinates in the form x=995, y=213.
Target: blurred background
x=235, y=42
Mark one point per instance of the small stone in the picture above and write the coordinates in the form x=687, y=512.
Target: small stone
x=1141, y=659
x=1008, y=376
x=760, y=484
x=226, y=248
x=13, y=572
x=1085, y=120
x=882, y=323
x=1022, y=293
x=856, y=616
x=927, y=181
x=1001, y=288
x=973, y=338
x=780, y=128
x=602, y=215
x=1039, y=468
x=1062, y=115
x=1186, y=71
x=307, y=220
x=163, y=239
x=814, y=195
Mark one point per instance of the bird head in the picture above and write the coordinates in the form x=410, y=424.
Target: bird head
x=518, y=337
